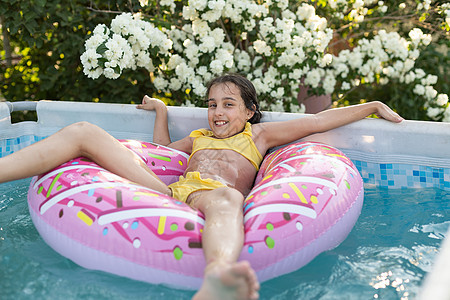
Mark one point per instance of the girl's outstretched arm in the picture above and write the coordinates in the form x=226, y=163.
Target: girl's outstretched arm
x=334, y=118
x=161, y=130
x=279, y=133
x=161, y=134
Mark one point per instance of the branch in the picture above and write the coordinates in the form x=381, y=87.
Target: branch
x=130, y=5
x=375, y=19
x=224, y=29
x=347, y=93
x=104, y=11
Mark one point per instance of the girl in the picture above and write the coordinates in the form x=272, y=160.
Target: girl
x=222, y=166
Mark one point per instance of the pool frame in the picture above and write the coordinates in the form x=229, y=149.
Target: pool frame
x=412, y=154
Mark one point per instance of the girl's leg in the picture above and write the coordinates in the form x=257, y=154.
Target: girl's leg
x=222, y=241
x=79, y=139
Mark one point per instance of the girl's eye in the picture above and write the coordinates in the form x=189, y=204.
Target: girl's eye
x=211, y=105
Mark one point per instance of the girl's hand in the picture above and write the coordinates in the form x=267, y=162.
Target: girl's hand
x=151, y=104
x=384, y=112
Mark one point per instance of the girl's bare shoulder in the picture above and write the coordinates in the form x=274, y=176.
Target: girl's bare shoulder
x=185, y=144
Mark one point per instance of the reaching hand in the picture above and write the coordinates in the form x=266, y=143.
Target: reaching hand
x=150, y=103
x=384, y=112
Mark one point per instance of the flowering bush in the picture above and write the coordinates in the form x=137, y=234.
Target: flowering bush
x=276, y=43
x=130, y=43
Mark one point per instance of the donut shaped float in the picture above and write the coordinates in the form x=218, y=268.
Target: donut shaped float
x=306, y=199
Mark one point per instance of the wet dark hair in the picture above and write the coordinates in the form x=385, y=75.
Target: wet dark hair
x=247, y=90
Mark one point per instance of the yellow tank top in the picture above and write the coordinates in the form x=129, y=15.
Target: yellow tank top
x=242, y=143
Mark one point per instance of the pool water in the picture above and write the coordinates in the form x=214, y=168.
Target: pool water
x=385, y=256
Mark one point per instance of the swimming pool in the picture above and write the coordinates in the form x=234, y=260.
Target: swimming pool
x=381, y=258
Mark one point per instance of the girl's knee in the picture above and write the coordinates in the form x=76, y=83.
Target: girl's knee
x=79, y=129
x=82, y=131
x=79, y=134
x=220, y=201
x=228, y=196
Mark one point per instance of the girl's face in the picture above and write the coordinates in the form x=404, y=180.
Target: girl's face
x=227, y=113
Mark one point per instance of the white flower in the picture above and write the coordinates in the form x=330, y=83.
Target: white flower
x=296, y=74
x=143, y=60
x=208, y=44
x=261, y=47
x=260, y=86
x=216, y=66
x=243, y=61
x=89, y=59
x=420, y=73
x=419, y=89
x=266, y=27
x=417, y=37
x=211, y=15
x=93, y=73
x=410, y=77
x=446, y=114
x=384, y=80
x=94, y=41
x=429, y=80
x=316, y=23
x=326, y=60
x=278, y=93
x=109, y=73
x=160, y=83
x=198, y=4
x=175, y=84
x=189, y=13
x=433, y=112
x=199, y=88
x=225, y=57
x=102, y=31
x=122, y=24
x=200, y=28
x=314, y=77
x=191, y=50
x=408, y=65
x=442, y=99
x=299, y=109
x=169, y=3
x=184, y=72
x=174, y=61
x=305, y=11
x=329, y=83
x=430, y=92
x=345, y=86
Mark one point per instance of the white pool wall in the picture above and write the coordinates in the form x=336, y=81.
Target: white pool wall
x=378, y=140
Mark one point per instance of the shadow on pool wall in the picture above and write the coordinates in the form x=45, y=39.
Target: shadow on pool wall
x=412, y=154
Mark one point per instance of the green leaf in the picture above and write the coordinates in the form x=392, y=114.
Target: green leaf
x=29, y=28
x=259, y=63
x=102, y=49
x=41, y=3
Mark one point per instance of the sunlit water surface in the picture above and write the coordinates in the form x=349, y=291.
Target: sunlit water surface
x=386, y=256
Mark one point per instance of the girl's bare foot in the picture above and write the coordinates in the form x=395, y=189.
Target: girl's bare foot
x=229, y=281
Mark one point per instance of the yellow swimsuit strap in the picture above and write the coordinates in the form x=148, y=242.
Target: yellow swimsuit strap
x=241, y=143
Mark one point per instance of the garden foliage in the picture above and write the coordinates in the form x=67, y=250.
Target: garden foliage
x=355, y=50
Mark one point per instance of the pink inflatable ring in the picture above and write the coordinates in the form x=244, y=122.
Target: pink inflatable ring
x=306, y=199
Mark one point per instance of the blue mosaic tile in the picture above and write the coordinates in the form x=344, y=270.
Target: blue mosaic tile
x=394, y=175
x=8, y=146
